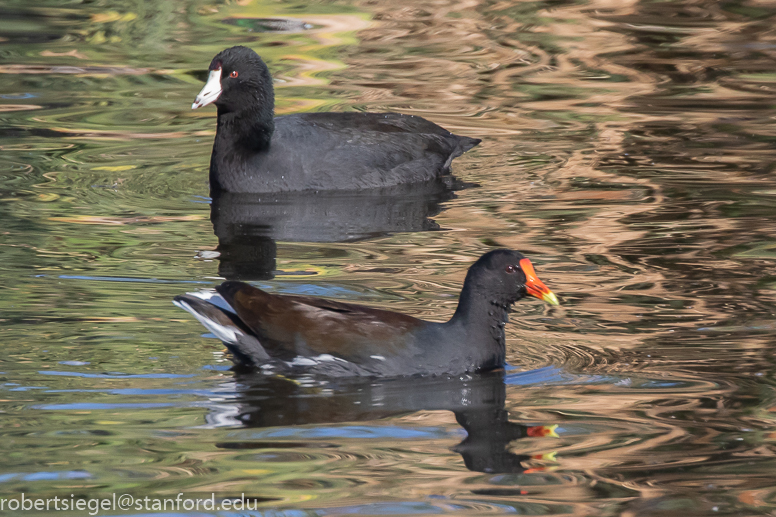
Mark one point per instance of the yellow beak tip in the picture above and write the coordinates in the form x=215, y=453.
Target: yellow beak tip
x=550, y=298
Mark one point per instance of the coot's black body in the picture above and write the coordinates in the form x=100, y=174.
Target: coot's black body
x=254, y=152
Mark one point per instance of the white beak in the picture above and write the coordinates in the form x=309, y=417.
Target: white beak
x=210, y=92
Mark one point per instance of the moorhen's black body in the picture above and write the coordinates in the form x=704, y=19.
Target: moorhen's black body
x=335, y=338
x=256, y=152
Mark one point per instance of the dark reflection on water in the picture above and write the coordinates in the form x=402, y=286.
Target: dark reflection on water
x=628, y=149
x=476, y=401
x=248, y=226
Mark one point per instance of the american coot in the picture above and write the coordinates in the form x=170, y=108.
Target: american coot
x=255, y=152
x=335, y=338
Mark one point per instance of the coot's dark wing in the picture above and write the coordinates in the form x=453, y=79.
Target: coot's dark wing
x=387, y=123
x=415, y=134
x=353, y=151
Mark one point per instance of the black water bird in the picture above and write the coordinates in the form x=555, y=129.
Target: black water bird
x=281, y=332
x=254, y=151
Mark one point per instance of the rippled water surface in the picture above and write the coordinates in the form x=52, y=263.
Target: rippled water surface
x=629, y=148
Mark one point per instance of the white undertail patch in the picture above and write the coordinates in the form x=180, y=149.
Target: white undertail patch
x=212, y=297
x=226, y=334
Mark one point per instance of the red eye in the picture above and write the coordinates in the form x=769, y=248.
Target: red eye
x=510, y=269
x=233, y=74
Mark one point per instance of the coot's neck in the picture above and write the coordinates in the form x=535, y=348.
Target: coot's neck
x=483, y=317
x=248, y=130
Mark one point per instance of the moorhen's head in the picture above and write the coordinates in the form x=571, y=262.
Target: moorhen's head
x=239, y=80
x=504, y=277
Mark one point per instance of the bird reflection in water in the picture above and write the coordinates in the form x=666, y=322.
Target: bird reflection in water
x=477, y=401
x=248, y=226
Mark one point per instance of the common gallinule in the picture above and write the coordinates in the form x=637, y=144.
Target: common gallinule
x=335, y=338
x=256, y=152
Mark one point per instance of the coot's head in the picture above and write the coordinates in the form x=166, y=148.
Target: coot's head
x=239, y=80
x=504, y=277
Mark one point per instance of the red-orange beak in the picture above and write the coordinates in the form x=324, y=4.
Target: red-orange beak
x=534, y=286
